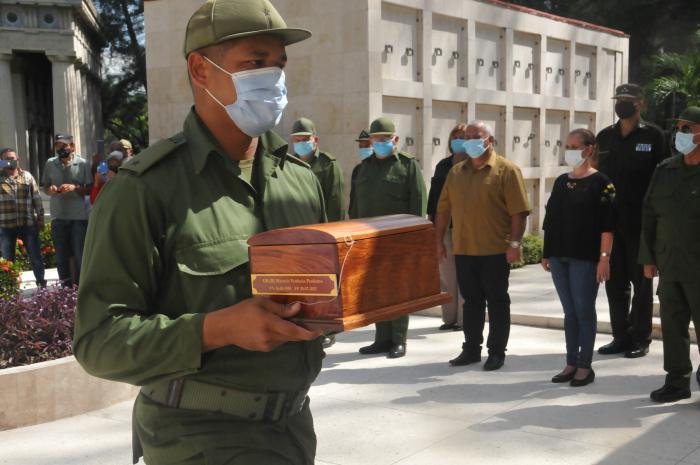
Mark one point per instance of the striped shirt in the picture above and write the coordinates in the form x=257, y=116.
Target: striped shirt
x=20, y=202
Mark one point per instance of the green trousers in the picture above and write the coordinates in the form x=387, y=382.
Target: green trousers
x=170, y=436
x=680, y=302
x=392, y=331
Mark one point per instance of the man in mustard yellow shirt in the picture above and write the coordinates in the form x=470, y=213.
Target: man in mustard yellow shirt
x=486, y=200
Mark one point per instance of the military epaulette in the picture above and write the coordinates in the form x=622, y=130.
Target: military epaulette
x=297, y=161
x=153, y=154
x=327, y=155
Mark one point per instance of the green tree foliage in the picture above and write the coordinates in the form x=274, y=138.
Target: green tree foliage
x=676, y=80
x=124, y=102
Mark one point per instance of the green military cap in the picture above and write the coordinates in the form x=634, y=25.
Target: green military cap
x=628, y=90
x=303, y=127
x=690, y=114
x=364, y=135
x=219, y=20
x=382, y=126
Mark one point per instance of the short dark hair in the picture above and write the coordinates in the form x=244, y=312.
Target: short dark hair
x=6, y=150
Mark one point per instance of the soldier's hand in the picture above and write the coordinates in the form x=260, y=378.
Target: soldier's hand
x=257, y=324
x=53, y=190
x=545, y=264
x=650, y=271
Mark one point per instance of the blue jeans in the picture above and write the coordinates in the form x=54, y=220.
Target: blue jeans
x=30, y=237
x=577, y=286
x=68, y=239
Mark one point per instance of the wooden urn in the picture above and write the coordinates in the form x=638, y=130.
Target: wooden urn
x=349, y=274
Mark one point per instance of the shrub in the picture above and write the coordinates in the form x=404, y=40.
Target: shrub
x=9, y=280
x=532, y=251
x=39, y=328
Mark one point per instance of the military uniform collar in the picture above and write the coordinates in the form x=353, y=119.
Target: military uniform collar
x=394, y=155
x=197, y=134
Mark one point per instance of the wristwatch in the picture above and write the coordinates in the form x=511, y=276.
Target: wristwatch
x=514, y=244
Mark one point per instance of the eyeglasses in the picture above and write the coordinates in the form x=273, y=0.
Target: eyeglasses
x=685, y=129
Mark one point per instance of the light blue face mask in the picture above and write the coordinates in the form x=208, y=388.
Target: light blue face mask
x=304, y=148
x=364, y=152
x=261, y=97
x=457, y=145
x=475, y=147
x=684, y=143
x=383, y=149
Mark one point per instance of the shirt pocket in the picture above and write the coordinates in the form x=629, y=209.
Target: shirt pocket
x=214, y=275
x=395, y=189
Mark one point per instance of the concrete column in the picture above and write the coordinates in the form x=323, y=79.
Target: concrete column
x=63, y=75
x=8, y=126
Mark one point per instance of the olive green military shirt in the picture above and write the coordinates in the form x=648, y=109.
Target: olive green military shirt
x=166, y=244
x=388, y=186
x=327, y=170
x=670, y=236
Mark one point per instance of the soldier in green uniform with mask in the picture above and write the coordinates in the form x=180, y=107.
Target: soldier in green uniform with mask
x=323, y=164
x=669, y=245
x=166, y=299
x=386, y=183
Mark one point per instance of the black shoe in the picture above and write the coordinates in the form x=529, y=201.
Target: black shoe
x=328, y=341
x=582, y=382
x=562, y=378
x=638, y=351
x=467, y=357
x=457, y=328
x=615, y=347
x=397, y=351
x=494, y=362
x=376, y=348
x=446, y=327
x=669, y=393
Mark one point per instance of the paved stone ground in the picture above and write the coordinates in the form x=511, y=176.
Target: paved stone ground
x=419, y=410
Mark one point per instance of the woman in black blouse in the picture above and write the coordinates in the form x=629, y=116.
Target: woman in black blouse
x=578, y=238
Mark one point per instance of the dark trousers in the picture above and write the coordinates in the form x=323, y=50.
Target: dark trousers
x=30, y=237
x=630, y=324
x=577, y=286
x=483, y=282
x=393, y=331
x=68, y=239
x=680, y=302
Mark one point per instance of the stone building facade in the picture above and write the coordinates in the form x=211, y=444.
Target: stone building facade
x=49, y=77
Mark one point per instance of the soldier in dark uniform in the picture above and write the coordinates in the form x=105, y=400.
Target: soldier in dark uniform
x=166, y=298
x=629, y=151
x=669, y=245
x=387, y=183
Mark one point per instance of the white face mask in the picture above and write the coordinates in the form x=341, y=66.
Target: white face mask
x=261, y=97
x=574, y=158
x=684, y=143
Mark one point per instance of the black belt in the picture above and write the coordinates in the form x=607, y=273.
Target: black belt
x=194, y=395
